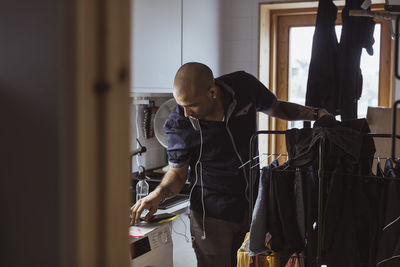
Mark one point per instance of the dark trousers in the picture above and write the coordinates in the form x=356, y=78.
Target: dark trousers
x=221, y=243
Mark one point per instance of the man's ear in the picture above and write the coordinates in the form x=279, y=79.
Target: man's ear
x=212, y=92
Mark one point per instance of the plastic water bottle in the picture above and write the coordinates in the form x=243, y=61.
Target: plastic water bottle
x=142, y=187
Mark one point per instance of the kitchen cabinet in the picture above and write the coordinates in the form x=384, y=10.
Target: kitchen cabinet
x=168, y=33
x=201, y=33
x=156, y=45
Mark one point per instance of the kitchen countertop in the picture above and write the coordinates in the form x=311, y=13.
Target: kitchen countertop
x=147, y=226
x=176, y=209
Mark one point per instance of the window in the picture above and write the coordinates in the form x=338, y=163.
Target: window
x=300, y=44
x=287, y=36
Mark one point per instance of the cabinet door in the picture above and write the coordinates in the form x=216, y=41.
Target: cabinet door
x=201, y=32
x=156, y=45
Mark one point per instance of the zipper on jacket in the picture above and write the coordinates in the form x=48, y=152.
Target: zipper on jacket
x=231, y=108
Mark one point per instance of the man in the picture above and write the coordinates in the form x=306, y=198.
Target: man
x=208, y=139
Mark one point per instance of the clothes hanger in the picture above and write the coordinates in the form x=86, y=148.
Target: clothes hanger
x=268, y=154
x=262, y=161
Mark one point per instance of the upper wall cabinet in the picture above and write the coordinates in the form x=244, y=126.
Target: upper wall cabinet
x=201, y=33
x=168, y=33
x=156, y=45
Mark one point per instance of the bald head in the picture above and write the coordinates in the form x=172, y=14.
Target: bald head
x=193, y=78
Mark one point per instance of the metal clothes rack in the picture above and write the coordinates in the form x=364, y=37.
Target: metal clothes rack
x=321, y=185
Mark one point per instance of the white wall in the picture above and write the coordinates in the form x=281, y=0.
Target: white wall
x=239, y=40
x=239, y=36
x=201, y=32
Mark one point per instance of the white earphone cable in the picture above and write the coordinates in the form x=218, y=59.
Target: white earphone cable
x=198, y=163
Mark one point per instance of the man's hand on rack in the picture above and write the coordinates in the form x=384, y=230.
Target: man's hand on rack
x=150, y=203
x=323, y=112
x=285, y=110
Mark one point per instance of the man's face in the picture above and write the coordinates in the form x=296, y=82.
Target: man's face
x=197, y=106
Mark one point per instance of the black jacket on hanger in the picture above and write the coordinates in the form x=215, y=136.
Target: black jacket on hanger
x=347, y=150
x=388, y=253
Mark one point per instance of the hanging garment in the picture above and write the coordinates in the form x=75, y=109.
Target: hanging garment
x=310, y=192
x=285, y=231
x=295, y=261
x=322, y=83
x=346, y=138
x=385, y=172
x=267, y=260
x=260, y=260
x=335, y=79
x=389, y=240
x=300, y=204
x=347, y=150
x=377, y=211
x=347, y=220
x=379, y=171
x=259, y=224
x=243, y=258
x=357, y=33
x=283, y=214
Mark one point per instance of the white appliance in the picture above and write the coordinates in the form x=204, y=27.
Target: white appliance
x=151, y=245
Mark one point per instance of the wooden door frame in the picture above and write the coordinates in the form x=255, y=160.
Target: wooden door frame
x=95, y=177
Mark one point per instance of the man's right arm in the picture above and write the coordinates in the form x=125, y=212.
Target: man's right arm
x=171, y=184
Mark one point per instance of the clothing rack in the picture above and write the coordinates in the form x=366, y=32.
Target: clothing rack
x=320, y=223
